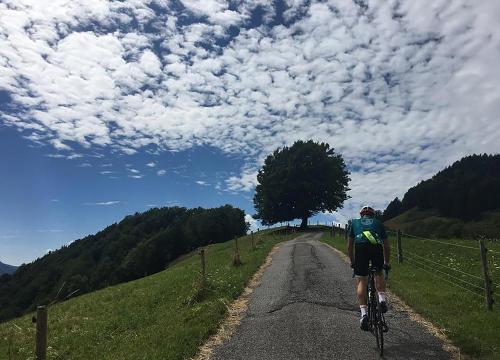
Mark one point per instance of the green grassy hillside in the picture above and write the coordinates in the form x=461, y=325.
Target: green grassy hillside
x=161, y=316
x=428, y=223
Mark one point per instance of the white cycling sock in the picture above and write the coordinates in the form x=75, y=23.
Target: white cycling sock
x=364, y=310
x=381, y=296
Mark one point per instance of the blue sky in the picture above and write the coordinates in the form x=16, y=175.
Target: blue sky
x=92, y=92
x=49, y=201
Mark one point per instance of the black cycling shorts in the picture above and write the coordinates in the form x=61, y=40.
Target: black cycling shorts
x=363, y=254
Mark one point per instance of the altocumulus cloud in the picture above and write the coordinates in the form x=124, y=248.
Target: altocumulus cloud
x=400, y=88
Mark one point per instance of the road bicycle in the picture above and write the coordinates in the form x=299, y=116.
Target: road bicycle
x=376, y=317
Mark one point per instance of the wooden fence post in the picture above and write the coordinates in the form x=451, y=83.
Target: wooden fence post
x=345, y=232
x=236, y=259
x=253, y=240
x=41, y=333
x=399, y=247
x=203, y=266
x=486, y=274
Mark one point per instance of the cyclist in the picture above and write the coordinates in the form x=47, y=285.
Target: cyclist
x=368, y=242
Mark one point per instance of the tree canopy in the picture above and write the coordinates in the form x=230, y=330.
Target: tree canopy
x=299, y=181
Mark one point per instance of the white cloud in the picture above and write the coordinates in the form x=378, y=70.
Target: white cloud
x=151, y=164
x=254, y=224
x=400, y=89
x=246, y=181
x=161, y=172
x=59, y=145
x=74, y=156
x=56, y=156
x=202, y=183
x=84, y=165
x=104, y=203
x=62, y=156
x=150, y=63
x=216, y=10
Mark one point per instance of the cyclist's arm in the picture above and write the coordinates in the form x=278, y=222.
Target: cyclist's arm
x=350, y=249
x=387, y=251
x=387, y=245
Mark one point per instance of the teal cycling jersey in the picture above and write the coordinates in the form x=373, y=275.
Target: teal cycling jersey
x=367, y=230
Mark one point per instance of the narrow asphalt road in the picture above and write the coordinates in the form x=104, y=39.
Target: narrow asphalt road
x=305, y=308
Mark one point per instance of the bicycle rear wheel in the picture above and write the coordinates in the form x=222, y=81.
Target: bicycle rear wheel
x=380, y=341
x=374, y=322
x=380, y=331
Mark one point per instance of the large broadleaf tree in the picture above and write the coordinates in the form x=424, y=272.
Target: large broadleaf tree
x=299, y=181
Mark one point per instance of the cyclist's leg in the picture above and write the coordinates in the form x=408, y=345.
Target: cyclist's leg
x=361, y=259
x=380, y=282
x=362, y=282
x=377, y=258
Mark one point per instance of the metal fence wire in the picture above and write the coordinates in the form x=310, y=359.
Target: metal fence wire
x=453, y=276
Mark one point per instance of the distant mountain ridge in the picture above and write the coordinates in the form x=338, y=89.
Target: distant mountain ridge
x=464, y=190
x=7, y=269
x=139, y=245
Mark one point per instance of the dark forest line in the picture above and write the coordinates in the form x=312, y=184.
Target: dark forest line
x=463, y=190
x=459, y=201
x=139, y=245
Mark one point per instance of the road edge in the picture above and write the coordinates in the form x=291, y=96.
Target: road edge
x=236, y=312
x=399, y=304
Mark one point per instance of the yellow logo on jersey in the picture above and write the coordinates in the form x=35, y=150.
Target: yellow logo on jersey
x=370, y=237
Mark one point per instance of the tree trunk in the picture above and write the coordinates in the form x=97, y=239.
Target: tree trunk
x=303, y=225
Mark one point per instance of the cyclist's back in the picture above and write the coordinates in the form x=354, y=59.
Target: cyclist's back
x=367, y=230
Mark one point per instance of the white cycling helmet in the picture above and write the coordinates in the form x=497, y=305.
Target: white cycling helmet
x=367, y=210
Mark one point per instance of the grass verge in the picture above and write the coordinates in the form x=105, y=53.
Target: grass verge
x=459, y=314
x=162, y=316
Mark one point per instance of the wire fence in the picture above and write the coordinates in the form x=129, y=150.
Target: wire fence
x=438, y=274
x=438, y=271
x=431, y=272
x=444, y=266
x=480, y=284
x=440, y=242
